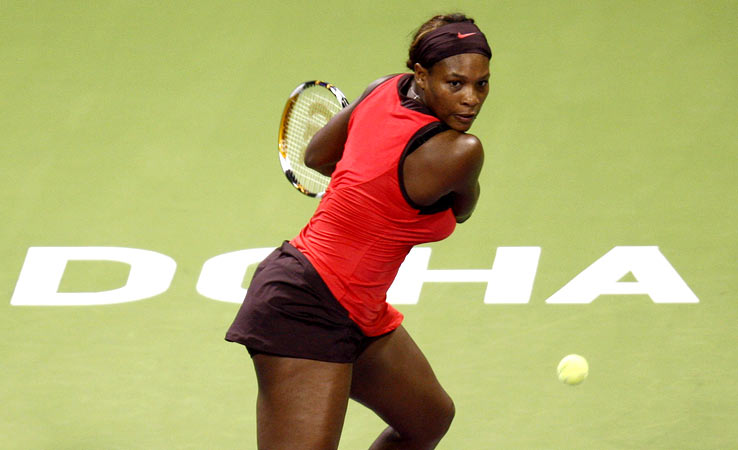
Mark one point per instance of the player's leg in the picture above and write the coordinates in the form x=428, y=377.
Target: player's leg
x=394, y=379
x=301, y=403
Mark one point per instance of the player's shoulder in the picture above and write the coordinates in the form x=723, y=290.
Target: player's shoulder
x=376, y=83
x=462, y=147
x=372, y=86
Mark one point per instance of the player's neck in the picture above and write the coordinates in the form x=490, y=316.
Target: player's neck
x=415, y=93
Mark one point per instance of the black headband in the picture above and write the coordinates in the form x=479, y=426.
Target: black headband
x=449, y=40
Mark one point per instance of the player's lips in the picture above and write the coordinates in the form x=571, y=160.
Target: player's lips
x=465, y=117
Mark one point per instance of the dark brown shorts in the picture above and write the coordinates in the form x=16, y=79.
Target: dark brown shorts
x=289, y=311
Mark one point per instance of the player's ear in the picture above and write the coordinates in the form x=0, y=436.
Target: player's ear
x=421, y=75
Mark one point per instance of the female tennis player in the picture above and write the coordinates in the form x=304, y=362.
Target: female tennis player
x=315, y=319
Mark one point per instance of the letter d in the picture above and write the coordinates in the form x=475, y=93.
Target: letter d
x=38, y=284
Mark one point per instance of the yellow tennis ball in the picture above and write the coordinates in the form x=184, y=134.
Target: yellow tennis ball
x=573, y=369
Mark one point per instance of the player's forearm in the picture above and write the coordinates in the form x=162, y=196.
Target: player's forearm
x=325, y=150
x=326, y=147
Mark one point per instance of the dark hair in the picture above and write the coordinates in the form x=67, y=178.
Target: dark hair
x=432, y=24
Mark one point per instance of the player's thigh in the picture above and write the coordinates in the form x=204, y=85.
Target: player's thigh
x=301, y=403
x=394, y=379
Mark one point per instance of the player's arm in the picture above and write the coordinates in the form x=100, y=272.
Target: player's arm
x=449, y=163
x=326, y=147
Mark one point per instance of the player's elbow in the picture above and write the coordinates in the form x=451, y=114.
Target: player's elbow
x=318, y=164
x=463, y=218
x=311, y=160
x=464, y=203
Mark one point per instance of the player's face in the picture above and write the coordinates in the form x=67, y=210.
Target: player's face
x=456, y=88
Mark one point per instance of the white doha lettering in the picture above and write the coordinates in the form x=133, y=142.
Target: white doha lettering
x=509, y=281
x=151, y=274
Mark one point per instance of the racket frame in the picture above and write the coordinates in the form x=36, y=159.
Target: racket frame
x=283, y=159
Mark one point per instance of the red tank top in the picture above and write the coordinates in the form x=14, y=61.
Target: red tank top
x=365, y=224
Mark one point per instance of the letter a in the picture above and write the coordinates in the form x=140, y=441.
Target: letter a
x=655, y=278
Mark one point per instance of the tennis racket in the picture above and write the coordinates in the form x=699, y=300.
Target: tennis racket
x=310, y=106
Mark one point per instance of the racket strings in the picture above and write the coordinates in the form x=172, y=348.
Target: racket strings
x=311, y=110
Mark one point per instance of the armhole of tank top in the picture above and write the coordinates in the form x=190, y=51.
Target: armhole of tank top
x=419, y=138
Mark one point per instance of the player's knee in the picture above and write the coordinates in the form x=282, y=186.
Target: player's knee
x=436, y=426
x=426, y=430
